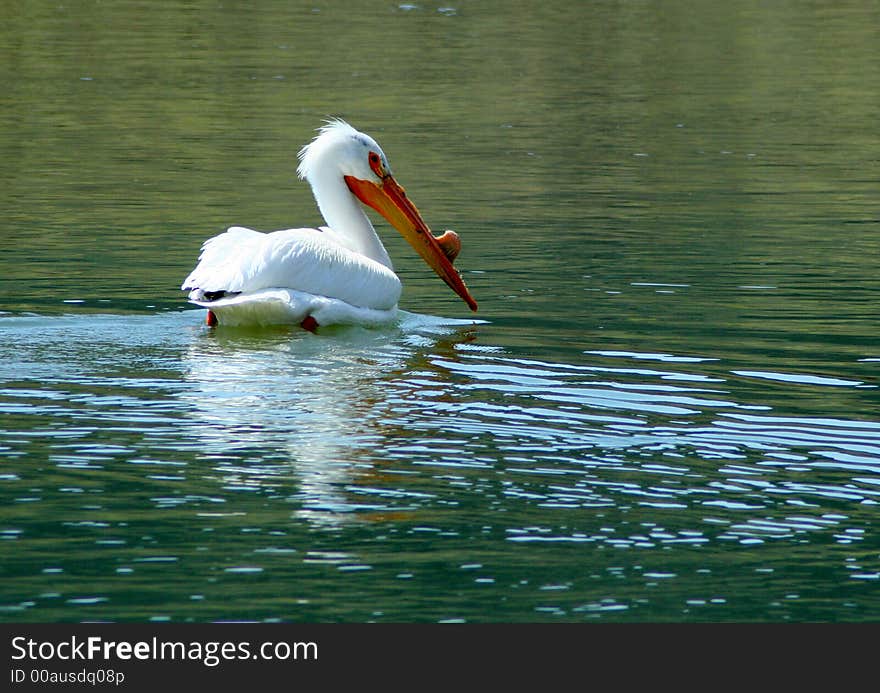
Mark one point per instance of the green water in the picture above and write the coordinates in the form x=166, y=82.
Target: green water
x=669, y=215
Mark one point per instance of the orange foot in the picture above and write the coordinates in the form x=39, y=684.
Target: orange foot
x=309, y=323
x=211, y=319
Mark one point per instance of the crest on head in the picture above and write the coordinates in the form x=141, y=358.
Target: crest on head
x=352, y=152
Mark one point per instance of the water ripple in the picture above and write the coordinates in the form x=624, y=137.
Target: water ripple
x=680, y=448
x=422, y=438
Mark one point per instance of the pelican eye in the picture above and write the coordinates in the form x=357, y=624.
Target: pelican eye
x=376, y=164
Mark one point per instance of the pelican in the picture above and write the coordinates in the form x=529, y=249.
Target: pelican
x=338, y=273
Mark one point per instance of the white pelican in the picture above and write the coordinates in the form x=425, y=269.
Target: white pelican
x=338, y=273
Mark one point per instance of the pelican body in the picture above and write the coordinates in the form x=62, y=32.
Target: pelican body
x=337, y=273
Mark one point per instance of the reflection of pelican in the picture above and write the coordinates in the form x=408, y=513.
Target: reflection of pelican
x=311, y=426
x=305, y=418
x=339, y=273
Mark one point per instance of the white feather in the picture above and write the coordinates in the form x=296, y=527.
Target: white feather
x=286, y=306
x=244, y=261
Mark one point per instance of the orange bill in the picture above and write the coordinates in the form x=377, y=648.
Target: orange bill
x=390, y=200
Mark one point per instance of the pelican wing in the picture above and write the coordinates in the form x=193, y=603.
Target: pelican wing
x=242, y=261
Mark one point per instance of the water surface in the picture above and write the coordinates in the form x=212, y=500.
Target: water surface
x=667, y=411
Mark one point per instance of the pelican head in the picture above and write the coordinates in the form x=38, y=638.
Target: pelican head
x=342, y=153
